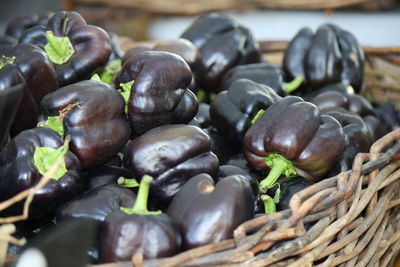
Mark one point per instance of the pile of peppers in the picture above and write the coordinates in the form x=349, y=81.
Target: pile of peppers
x=172, y=145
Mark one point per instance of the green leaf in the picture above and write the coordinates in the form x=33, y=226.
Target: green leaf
x=55, y=123
x=277, y=196
x=58, y=49
x=110, y=71
x=45, y=157
x=125, y=92
x=6, y=60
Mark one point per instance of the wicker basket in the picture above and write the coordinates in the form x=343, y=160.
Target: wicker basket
x=195, y=7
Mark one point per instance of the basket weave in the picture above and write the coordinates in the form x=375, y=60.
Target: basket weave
x=196, y=7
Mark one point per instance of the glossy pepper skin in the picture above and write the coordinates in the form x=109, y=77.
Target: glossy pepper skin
x=296, y=53
x=179, y=46
x=97, y=203
x=19, y=24
x=28, y=65
x=292, y=137
x=171, y=154
x=207, y=213
x=18, y=172
x=356, y=104
x=223, y=44
x=352, y=57
x=128, y=231
x=96, y=121
x=9, y=101
x=323, y=62
x=356, y=136
x=264, y=73
x=91, y=45
x=159, y=93
x=232, y=111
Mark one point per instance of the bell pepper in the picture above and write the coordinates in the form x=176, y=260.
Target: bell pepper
x=264, y=73
x=352, y=57
x=20, y=23
x=128, y=231
x=155, y=87
x=323, y=62
x=171, y=154
x=356, y=136
x=9, y=102
x=292, y=137
x=207, y=213
x=76, y=49
x=26, y=159
x=232, y=111
x=356, y=104
x=296, y=54
x=92, y=113
x=223, y=44
x=330, y=55
x=20, y=64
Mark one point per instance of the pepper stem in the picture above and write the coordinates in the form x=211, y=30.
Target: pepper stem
x=269, y=204
x=258, y=115
x=126, y=182
x=140, y=206
x=4, y=60
x=278, y=165
x=293, y=85
x=58, y=49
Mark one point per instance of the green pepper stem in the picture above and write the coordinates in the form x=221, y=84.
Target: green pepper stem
x=140, y=206
x=293, y=85
x=258, y=115
x=269, y=204
x=278, y=165
x=126, y=182
x=6, y=60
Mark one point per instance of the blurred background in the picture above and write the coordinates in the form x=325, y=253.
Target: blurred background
x=374, y=22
